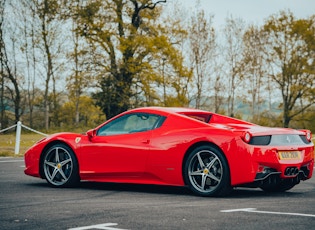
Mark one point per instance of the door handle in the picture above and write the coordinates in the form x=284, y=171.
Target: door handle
x=146, y=141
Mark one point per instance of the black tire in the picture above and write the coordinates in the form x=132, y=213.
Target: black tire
x=206, y=172
x=60, y=166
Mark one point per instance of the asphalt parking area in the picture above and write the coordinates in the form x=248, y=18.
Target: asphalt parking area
x=29, y=203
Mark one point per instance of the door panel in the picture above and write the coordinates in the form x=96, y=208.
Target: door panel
x=116, y=155
x=120, y=147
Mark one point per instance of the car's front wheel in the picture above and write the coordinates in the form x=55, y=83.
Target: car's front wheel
x=60, y=166
x=206, y=172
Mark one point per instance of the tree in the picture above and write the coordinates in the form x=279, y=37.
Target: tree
x=90, y=115
x=8, y=69
x=128, y=42
x=25, y=26
x=218, y=88
x=78, y=58
x=253, y=65
x=167, y=81
x=2, y=107
x=202, y=52
x=49, y=50
x=233, y=51
x=290, y=52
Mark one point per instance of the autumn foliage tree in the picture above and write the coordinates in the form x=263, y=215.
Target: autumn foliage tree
x=128, y=43
x=290, y=52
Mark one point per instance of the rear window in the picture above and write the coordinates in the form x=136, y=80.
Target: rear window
x=199, y=116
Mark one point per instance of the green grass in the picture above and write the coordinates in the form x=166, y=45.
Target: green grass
x=7, y=143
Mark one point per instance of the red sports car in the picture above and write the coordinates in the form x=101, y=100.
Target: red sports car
x=205, y=151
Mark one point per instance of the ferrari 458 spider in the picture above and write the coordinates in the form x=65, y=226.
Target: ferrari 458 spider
x=205, y=151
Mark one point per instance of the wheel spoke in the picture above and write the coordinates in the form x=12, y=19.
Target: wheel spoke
x=57, y=156
x=213, y=177
x=196, y=173
x=212, y=162
x=54, y=174
x=203, y=181
x=62, y=174
x=65, y=162
x=51, y=164
x=202, y=165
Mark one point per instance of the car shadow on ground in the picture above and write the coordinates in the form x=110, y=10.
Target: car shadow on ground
x=139, y=188
x=178, y=190
x=172, y=190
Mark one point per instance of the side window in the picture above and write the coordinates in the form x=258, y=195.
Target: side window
x=131, y=123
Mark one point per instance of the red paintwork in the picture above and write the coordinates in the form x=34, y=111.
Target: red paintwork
x=157, y=156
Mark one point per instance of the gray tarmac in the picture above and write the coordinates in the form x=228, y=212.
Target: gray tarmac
x=29, y=203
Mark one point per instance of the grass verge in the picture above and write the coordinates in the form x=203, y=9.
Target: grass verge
x=7, y=144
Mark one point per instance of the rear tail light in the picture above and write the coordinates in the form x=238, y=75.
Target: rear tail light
x=246, y=136
x=308, y=134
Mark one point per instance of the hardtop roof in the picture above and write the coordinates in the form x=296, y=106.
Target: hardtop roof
x=172, y=109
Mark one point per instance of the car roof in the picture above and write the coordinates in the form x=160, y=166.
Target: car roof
x=198, y=114
x=170, y=110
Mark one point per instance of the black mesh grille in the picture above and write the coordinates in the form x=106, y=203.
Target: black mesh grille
x=260, y=140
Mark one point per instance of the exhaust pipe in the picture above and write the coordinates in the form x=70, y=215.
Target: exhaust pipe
x=291, y=171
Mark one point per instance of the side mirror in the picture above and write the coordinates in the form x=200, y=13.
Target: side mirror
x=91, y=133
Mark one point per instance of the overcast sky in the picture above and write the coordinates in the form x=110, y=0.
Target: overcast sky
x=251, y=11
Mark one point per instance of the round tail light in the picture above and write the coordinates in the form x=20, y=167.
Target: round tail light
x=246, y=137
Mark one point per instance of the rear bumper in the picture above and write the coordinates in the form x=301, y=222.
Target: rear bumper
x=285, y=171
x=257, y=163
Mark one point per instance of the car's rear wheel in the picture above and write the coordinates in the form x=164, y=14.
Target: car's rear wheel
x=206, y=172
x=60, y=166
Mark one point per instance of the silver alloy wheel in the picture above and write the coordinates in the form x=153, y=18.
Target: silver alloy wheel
x=205, y=171
x=58, y=166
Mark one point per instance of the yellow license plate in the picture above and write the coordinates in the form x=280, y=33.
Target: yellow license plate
x=290, y=155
